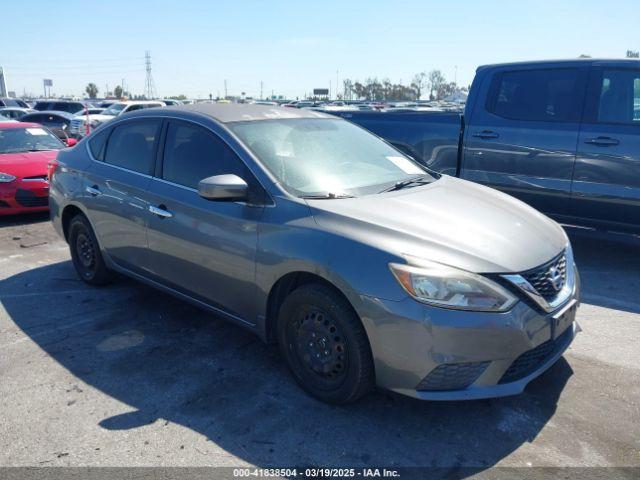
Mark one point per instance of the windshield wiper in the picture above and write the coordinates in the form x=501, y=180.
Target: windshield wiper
x=327, y=196
x=409, y=182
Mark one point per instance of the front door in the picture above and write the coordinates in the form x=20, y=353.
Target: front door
x=606, y=185
x=523, y=139
x=202, y=248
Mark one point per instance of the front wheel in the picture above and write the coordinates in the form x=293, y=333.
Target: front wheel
x=325, y=344
x=85, y=253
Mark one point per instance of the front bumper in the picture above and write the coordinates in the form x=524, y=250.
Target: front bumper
x=22, y=196
x=432, y=353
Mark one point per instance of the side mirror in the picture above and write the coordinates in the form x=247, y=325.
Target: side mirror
x=223, y=187
x=70, y=142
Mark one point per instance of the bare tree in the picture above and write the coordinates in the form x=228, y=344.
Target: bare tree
x=436, y=79
x=633, y=54
x=420, y=83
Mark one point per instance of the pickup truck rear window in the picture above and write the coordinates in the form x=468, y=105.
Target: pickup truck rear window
x=548, y=95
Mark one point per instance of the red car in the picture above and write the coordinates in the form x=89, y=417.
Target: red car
x=26, y=152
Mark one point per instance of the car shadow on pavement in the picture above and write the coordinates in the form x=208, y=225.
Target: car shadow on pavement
x=23, y=219
x=172, y=362
x=609, y=266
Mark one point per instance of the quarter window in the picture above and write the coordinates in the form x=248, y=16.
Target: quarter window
x=619, y=100
x=192, y=153
x=97, y=142
x=538, y=95
x=131, y=146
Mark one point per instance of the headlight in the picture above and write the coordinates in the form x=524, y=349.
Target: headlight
x=6, y=178
x=449, y=287
x=95, y=123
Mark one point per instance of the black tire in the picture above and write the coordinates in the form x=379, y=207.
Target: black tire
x=85, y=253
x=325, y=344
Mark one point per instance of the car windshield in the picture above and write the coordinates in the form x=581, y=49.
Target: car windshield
x=29, y=139
x=316, y=157
x=114, y=109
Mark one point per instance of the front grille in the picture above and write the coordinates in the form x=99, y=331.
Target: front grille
x=549, y=278
x=530, y=360
x=27, y=198
x=77, y=126
x=452, y=376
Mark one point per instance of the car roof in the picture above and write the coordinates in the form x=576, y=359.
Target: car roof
x=236, y=112
x=59, y=113
x=4, y=125
x=567, y=61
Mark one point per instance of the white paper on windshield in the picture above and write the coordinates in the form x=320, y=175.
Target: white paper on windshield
x=406, y=165
x=36, y=131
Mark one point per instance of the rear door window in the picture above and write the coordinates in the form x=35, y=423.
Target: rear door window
x=548, y=95
x=131, y=145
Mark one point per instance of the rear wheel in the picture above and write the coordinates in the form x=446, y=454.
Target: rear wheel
x=325, y=345
x=85, y=253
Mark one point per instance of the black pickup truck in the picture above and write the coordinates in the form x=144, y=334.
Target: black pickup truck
x=563, y=136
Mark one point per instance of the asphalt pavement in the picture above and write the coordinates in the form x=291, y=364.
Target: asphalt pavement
x=126, y=375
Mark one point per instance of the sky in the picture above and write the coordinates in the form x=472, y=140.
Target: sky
x=291, y=46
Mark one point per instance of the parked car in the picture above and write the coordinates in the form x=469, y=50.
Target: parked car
x=79, y=123
x=58, y=106
x=563, y=136
x=306, y=229
x=90, y=111
x=14, y=113
x=57, y=122
x=13, y=102
x=26, y=149
x=171, y=101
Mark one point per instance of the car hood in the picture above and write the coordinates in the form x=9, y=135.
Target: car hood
x=27, y=164
x=449, y=221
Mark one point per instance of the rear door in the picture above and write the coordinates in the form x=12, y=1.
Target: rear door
x=522, y=139
x=115, y=188
x=203, y=248
x=606, y=185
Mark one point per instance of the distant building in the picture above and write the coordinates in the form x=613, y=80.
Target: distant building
x=3, y=84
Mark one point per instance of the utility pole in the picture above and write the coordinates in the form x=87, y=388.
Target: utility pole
x=337, y=84
x=225, y=88
x=149, y=86
x=329, y=90
x=260, y=89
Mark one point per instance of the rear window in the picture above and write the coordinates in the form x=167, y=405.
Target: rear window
x=551, y=95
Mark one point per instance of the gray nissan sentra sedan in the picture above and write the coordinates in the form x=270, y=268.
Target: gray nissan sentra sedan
x=364, y=267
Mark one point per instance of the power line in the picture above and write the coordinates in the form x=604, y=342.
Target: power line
x=149, y=87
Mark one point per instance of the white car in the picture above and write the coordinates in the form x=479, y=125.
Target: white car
x=79, y=122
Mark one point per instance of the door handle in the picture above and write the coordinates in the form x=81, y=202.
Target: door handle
x=486, y=134
x=160, y=211
x=93, y=191
x=602, y=141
